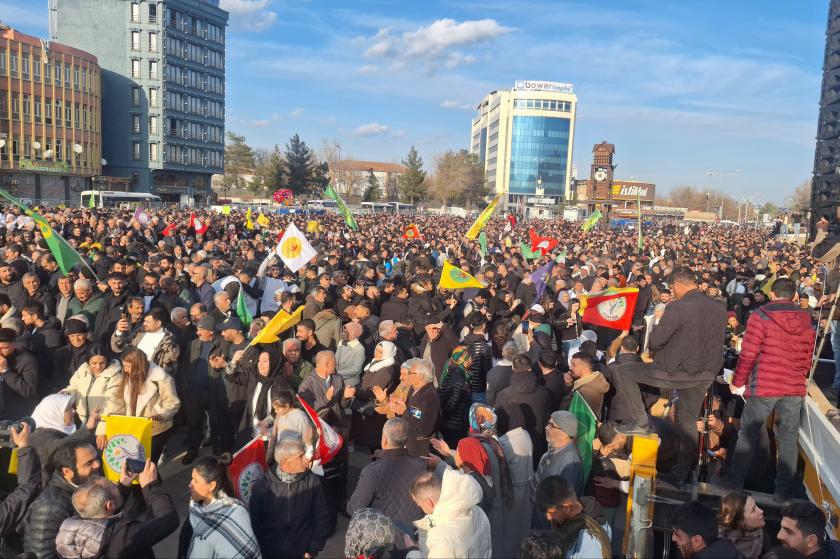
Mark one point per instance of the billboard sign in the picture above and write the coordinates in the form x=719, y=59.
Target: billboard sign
x=525, y=85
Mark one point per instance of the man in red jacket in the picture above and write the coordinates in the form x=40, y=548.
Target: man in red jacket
x=773, y=370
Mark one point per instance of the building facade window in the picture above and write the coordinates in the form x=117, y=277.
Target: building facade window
x=135, y=68
x=135, y=96
x=135, y=151
x=539, y=150
x=153, y=97
x=153, y=69
x=135, y=40
x=153, y=42
x=152, y=12
x=24, y=66
x=135, y=12
x=135, y=124
x=2, y=63
x=76, y=76
x=153, y=151
x=13, y=65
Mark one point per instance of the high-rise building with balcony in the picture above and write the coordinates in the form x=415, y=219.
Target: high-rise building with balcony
x=524, y=138
x=50, y=143
x=163, y=84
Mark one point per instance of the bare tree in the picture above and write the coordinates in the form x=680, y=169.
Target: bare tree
x=451, y=177
x=800, y=199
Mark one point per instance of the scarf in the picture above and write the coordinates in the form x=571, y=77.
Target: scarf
x=389, y=350
x=370, y=534
x=286, y=477
x=264, y=384
x=224, y=525
x=49, y=413
x=458, y=362
x=506, y=482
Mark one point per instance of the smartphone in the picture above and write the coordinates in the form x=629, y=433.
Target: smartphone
x=524, y=326
x=134, y=466
x=711, y=452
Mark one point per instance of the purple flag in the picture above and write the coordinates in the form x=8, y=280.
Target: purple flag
x=539, y=276
x=141, y=217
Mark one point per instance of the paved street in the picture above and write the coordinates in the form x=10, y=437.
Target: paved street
x=176, y=479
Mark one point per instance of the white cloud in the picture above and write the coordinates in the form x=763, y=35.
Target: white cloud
x=371, y=129
x=297, y=112
x=253, y=15
x=368, y=69
x=260, y=123
x=456, y=105
x=435, y=42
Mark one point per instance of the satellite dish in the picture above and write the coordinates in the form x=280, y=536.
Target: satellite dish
x=2, y=144
x=48, y=154
x=77, y=148
x=36, y=145
x=104, y=161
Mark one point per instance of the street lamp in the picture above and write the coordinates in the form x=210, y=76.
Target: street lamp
x=707, y=202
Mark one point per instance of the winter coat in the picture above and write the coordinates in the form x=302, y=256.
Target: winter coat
x=45, y=515
x=395, y=309
x=564, y=462
x=224, y=530
x=311, y=308
x=750, y=543
x=439, y=350
x=108, y=316
x=498, y=378
x=482, y=362
x=14, y=506
x=519, y=451
x=165, y=354
x=125, y=535
x=367, y=424
x=719, y=549
x=457, y=528
x=90, y=308
x=385, y=485
x=95, y=392
x=688, y=342
x=327, y=329
x=349, y=361
x=158, y=397
x=776, y=351
x=44, y=296
x=421, y=412
x=19, y=386
x=455, y=402
x=289, y=519
x=525, y=404
x=426, y=308
x=43, y=342
x=66, y=361
x=593, y=387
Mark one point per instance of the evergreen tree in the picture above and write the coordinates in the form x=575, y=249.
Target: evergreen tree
x=412, y=183
x=269, y=171
x=372, y=192
x=300, y=164
x=239, y=161
x=320, y=177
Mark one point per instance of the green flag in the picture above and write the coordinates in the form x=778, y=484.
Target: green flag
x=65, y=255
x=591, y=221
x=482, y=241
x=528, y=253
x=561, y=258
x=92, y=201
x=342, y=208
x=587, y=423
x=241, y=309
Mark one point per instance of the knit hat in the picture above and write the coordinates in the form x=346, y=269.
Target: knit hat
x=207, y=323
x=370, y=534
x=472, y=453
x=566, y=421
x=354, y=330
x=731, y=314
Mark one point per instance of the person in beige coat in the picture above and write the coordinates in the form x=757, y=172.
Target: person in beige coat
x=146, y=391
x=94, y=386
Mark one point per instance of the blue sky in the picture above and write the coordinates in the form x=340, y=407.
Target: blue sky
x=681, y=88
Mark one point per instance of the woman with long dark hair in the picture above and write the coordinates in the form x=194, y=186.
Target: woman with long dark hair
x=146, y=391
x=218, y=525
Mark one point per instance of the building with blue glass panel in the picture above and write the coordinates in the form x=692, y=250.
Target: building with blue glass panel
x=524, y=137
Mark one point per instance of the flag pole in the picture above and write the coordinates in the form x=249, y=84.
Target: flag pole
x=639, y=210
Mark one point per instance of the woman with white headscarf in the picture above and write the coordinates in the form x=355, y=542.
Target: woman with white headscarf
x=55, y=424
x=382, y=372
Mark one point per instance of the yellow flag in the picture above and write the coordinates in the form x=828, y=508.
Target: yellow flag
x=248, y=223
x=225, y=210
x=262, y=220
x=482, y=219
x=128, y=437
x=453, y=277
x=312, y=226
x=508, y=242
x=278, y=324
x=13, y=462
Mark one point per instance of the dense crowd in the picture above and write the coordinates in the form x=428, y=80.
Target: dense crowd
x=460, y=398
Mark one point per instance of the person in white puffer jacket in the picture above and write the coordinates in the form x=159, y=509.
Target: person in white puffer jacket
x=454, y=527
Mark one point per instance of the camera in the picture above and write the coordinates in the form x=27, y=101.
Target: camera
x=6, y=426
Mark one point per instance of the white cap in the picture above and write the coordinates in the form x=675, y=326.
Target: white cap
x=588, y=336
x=537, y=309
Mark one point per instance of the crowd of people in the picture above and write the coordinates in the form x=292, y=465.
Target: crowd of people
x=460, y=398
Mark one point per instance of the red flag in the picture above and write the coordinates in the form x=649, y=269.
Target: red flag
x=542, y=244
x=199, y=226
x=612, y=308
x=169, y=230
x=512, y=220
x=411, y=232
x=247, y=467
x=329, y=442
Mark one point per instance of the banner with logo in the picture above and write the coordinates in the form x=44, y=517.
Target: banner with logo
x=128, y=437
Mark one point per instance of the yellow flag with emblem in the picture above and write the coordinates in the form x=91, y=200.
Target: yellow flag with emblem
x=312, y=226
x=279, y=323
x=128, y=438
x=248, y=223
x=262, y=220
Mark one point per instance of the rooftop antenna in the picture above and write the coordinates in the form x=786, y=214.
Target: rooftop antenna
x=53, y=19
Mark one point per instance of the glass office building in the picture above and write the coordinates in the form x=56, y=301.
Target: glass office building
x=524, y=137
